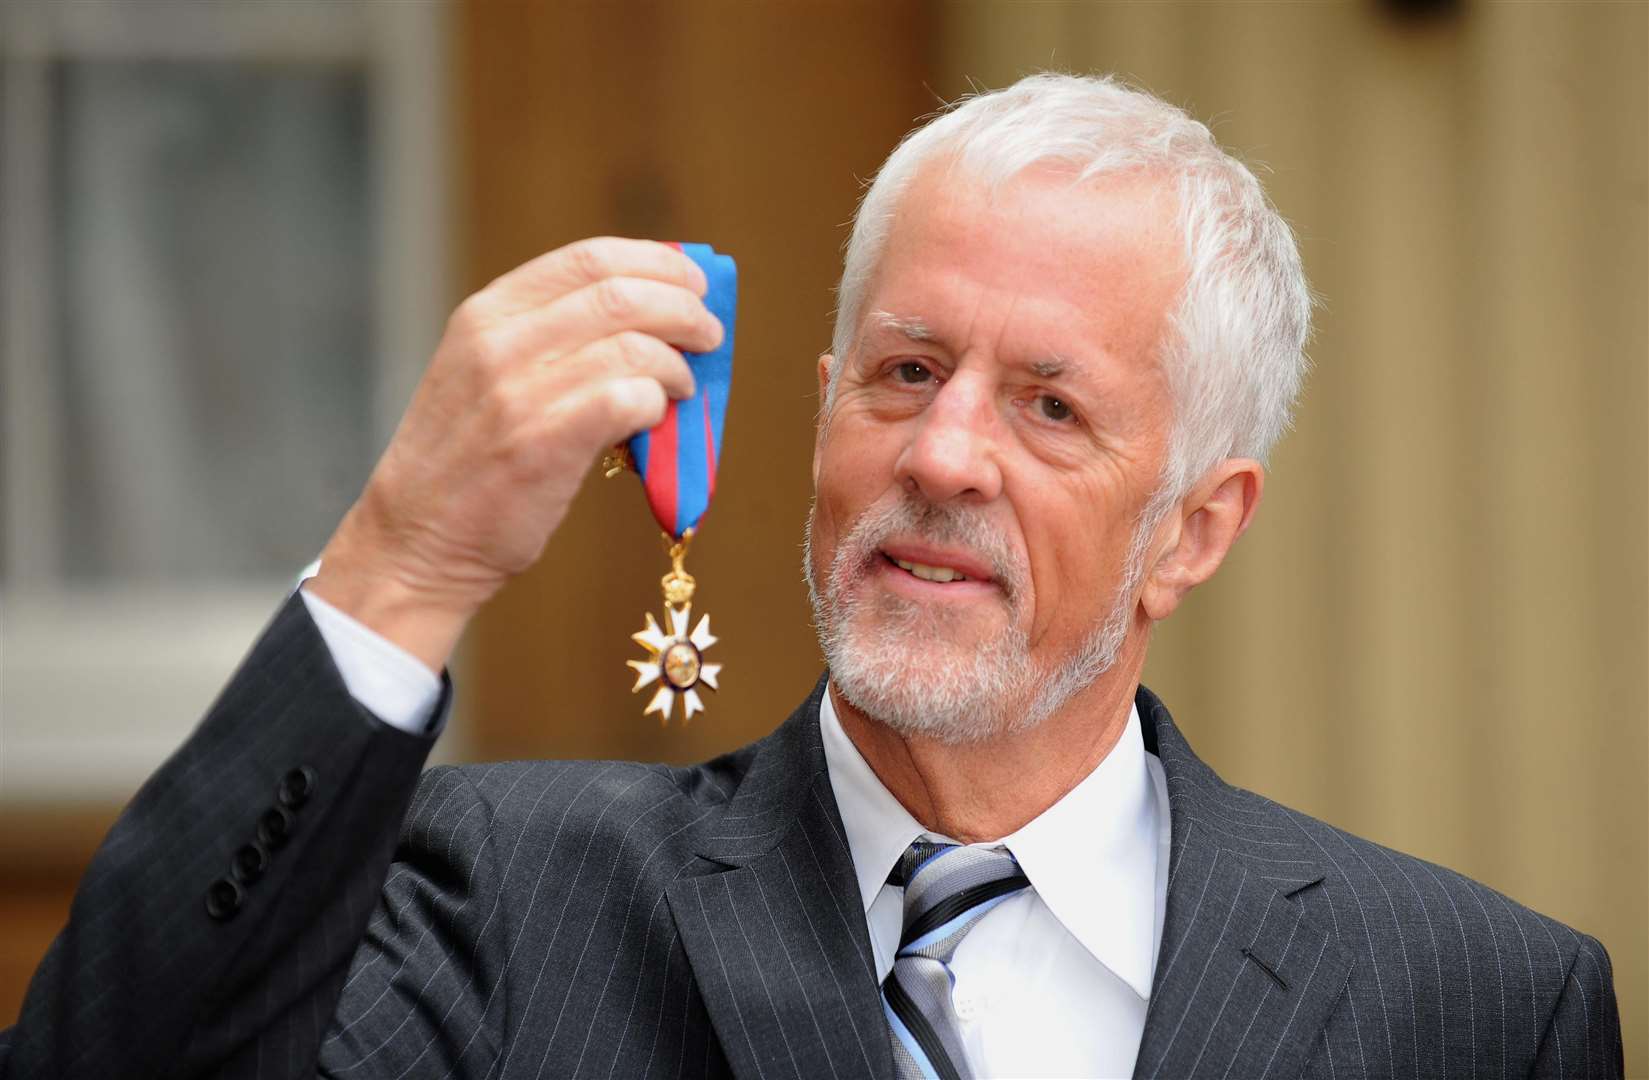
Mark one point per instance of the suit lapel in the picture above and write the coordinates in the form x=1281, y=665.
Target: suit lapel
x=1246, y=976
x=775, y=932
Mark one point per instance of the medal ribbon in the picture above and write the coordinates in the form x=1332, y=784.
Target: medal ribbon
x=677, y=459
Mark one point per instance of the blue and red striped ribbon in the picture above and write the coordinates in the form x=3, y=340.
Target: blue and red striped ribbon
x=677, y=459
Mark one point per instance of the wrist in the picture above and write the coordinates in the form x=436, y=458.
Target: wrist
x=395, y=602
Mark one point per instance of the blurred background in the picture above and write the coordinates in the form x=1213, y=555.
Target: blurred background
x=230, y=235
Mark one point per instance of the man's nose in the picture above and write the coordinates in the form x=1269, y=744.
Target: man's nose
x=953, y=450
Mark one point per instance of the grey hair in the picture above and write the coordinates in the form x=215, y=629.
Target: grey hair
x=1234, y=350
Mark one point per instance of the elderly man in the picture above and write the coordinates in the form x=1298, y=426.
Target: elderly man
x=1070, y=330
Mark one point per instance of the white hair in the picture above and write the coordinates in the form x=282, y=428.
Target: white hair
x=1234, y=350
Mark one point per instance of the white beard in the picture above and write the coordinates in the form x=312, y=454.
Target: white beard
x=894, y=660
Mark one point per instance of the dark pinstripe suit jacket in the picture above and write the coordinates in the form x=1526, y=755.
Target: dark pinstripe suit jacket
x=619, y=920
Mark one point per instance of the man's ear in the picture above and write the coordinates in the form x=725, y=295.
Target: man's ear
x=826, y=363
x=1195, y=538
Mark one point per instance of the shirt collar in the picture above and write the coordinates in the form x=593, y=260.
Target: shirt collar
x=1091, y=856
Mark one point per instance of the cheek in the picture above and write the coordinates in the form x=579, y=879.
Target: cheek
x=854, y=464
x=845, y=483
x=821, y=545
x=1076, y=559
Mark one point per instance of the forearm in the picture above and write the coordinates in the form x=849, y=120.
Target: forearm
x=150, y=976
x=405, y=604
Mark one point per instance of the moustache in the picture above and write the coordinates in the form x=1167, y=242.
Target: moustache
x=938, y=523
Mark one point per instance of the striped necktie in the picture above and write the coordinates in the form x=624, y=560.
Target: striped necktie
x=947, y=889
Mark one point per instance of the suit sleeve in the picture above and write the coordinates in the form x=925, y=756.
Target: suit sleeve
x=213, y=930
x=1583, y=1039
x=425, y=994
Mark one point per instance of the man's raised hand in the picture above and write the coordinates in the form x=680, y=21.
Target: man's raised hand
x=535, y=375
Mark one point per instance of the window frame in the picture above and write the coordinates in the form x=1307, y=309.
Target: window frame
x=99, y=683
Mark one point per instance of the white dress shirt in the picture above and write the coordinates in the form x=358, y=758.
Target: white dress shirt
x=1055, y=980
x=1051, y=982
x=389, y=681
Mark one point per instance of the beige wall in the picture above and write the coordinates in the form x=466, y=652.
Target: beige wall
x=1434, y=635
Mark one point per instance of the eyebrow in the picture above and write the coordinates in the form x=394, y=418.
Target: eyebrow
x=1056, y=365
x=912, y=329
x=1051, y=367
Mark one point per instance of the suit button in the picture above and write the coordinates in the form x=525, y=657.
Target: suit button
x=223, y=899
x=296, y=787
x=274, y=827
x=249, y=863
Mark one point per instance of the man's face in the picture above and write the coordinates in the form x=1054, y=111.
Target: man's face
x=1002, y=416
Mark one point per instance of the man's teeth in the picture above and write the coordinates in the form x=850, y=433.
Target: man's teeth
x=930, y=573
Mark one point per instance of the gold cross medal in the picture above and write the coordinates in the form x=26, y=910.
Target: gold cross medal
x=677, y=464
x=675, y=658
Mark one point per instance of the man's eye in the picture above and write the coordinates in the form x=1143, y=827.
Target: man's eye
x=1053, y=408
x=912, y=372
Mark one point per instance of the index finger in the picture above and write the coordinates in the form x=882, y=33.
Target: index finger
x=556, y=273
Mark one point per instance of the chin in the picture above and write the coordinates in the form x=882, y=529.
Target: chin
x=938, y=690
x=920, y=674
x=906, y=674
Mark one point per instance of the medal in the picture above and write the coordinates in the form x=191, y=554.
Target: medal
x=677, y=464
x=675, y=657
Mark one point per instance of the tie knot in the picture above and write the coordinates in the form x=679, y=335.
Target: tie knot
x=948, y=888
x=919, y=852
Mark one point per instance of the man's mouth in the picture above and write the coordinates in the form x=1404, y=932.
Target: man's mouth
x=938, y=564
x=927, y=573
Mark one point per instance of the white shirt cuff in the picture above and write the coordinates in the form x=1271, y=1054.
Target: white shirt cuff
x=383, y=677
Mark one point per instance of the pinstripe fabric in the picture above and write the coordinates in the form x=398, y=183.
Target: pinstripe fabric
x=1291, y=949
x=141, y=982
x=613, y=920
